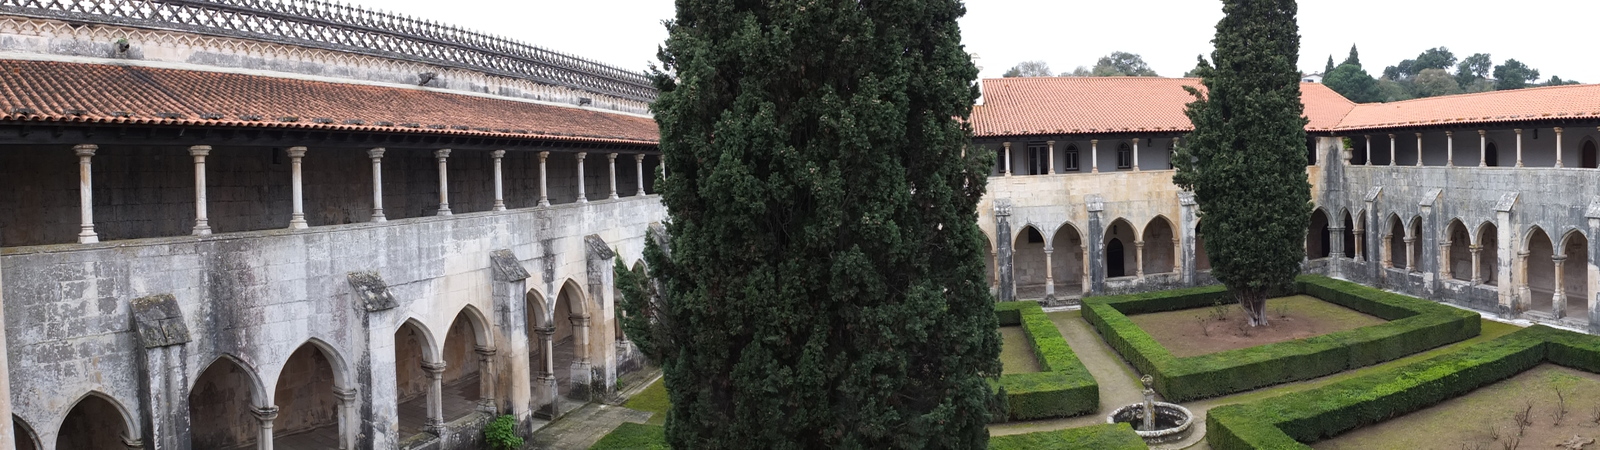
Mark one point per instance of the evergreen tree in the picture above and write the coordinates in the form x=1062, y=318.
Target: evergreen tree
x=1353, y=83
x=1246, y=159
x=1354, y=58
x=1328, y=70
x=822, y=282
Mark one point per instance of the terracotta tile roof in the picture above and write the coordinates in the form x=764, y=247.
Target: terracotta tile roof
x=1555, y=102
x=1097, y=105
x=45, y=91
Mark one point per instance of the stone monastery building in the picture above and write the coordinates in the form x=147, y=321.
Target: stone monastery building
x=258, y=224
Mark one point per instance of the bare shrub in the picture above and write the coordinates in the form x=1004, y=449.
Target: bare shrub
x=1205, y=324
x=1561, y=407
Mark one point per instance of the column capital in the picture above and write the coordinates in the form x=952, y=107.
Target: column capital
x=1007, y=145
x=265, y=415
x=1391, y=136
x=132, y=442
x=1050, y=143
x=1474, y=247
x=296, y=152
x=376, y=152
x=1410, y=239
x=545, y=332
x=543, y=156
x=441, y=153
x=85, y=149
x=1524, y=254
x=579, y=321
x=611, y=156
x=1094, y=142
x=1518, y=130
x=1483, y=132
x=639, y=157
x=1449, y=134
x=497, y=154
x=581, y=155
x=1558, y=130
x=346, y=395
x=434, y=369
x=484, y=351
x=1558, y=258
x=199, y=150
x=1419, y=135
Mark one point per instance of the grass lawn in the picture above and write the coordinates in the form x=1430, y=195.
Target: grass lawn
x=1200, y=331
x=1016, y=353
x=652, y=399
x=633, y=436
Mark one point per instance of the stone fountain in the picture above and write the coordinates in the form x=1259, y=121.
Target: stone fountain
x=1156, y=422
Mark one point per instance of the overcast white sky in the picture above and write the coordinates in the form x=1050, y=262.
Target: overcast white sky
x=1554, y=36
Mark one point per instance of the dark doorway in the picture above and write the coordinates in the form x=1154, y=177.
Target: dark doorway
x=1589, y=161
x=1491, y=155
x=1114, y=259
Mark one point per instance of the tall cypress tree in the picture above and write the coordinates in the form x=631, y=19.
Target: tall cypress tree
x=1246, y=160
x=825, y=284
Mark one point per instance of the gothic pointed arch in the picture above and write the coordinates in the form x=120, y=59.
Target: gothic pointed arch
x=96, y=421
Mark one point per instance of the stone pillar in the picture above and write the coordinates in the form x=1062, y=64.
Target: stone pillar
x=443, y=156
x=512, y=330
x=1477, y=265
x=1558, y=147
x=1135, y=154
x=1558, y=301
x=86, y=234
x=1138, y=259
x=1004, y=262
x=488, y=377
x=581, y=373
x=202, y=226
x=1336, y=254
x=1524, y=294
x=1483, y=148
x=1094, y=156
x=1504, y=258
x=265, y=416
x=1095, y=242
x=1450, y=149
x=611, y=160
x=499, y=187
x=1445, y=271
x=297, y=219
x=1359, y=236
x=1519, y=146
x=994, y=281
x=1188, y=254
x=544, y=390
x=435, y=423
x=1387, y=258
x=349, y=418
x=638, y=164
x=582, y=196
x=544, y=180
x=1391, y=149
x=1419, y=149
x=1052, y=146
x=1411, y=254
x=1369, y=148
x=377, y=183
x=1049, y=274
x=1007, y=146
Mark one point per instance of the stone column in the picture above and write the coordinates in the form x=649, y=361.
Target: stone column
x=994, y=282
x=1135, y=154
x=297, y=219
x=86, y=234
x=1391, y=149
x=1524, y=295
x=265, y=416
x=544, y=389
x=1558, y=301
x=202, y=226
x=581, y=373
x=1049, y=274
x=1419, y=149
x=1519, y=146
x=1445, y=271
x=499, y=187
x=544, y=180
x=1360, y=237
x=1095, y=244
x=377, y=183
x=1336, y=254
x=611, y=160
x=1138, y=259
x=1177, y=253
x=582, y=196
x=1411, y=254
x=435, y=423
x=488, y=376
x=349, y=420
x=1477, y=265
x=1483, y=148
x=1052, y=146
x=443, y=155
x=1558, y=147
x=1007, y=146
x=1094, y=156
x=1450, y=149
x=638, y=164
x=1369, y=148
x=1387, y=257
x=1006, y=259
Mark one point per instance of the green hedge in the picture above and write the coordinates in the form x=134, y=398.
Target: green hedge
x=1414, y=325
x=1098, y=437
x=1063, y=387
x=1286, y=421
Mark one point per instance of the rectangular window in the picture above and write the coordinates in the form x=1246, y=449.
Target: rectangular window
x=1071, y=163
x=1124, y=156
x=1038, y=159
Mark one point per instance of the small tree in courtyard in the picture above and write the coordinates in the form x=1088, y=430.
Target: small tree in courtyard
x=821, y=281
x=1246, y=160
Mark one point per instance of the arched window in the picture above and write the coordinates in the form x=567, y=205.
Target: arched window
x=1124, y=156
x=1589, y=161
x=1071, y=158
x=1491, y=155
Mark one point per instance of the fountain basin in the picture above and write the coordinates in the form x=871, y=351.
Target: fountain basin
x=1172, y=422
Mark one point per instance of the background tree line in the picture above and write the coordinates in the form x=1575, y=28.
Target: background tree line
x=1116, y=64
x=1434, y=72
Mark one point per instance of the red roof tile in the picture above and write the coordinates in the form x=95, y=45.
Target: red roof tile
x=75, y=92
x=1098, y=105
x=1488, y=107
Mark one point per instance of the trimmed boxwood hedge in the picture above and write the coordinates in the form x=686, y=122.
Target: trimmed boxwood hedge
x=1063, y=388
x=1414, y=325
x=1097, y=437
x=1286, y=421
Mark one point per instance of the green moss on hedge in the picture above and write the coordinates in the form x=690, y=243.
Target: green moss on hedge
x=1099, y=437
x=1063, y=388
x=1415, y=325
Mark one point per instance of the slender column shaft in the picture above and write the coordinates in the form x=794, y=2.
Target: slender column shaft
x=580, y=327
x=1411, y=254
x=1419, y=149
x=1051, y=146
x=1483, y=148
x=611, y=160
x=86, y=233
x=994, y=280
x=1007, y=146
x=1369, y=148
x=377, y=183
x=435, y=423
x=1391, y=150
x=1558, y=300
x=1519, y=146
x=265, y=416
x=443, y=155
x=1135, y=154
x=544, y=180
x=1521, y=278
x=1558, y=147
x=1450, y=148
x=1477, y=264
x=582, y=196
x=297, y=219
x=1094, y=158
x=1445, y=271
x=1138, y=259
x=488, y=377
x=638, y=164
x=1049, y=274
x=499, y=187
x=348, y=420
x=202, y=226
x=1360, y=243
x=1387, y=254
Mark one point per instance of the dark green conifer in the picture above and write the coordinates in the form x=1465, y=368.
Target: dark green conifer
x=1246, y=160
x=822, y=284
